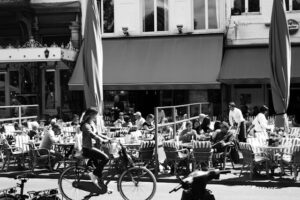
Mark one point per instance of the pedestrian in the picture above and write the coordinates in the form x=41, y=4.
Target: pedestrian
x=237, y=121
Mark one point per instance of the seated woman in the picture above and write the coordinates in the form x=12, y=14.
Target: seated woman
x=127, y=122
x=205, y=126
x=197, y=126
x=149, y=126
x=188, y=134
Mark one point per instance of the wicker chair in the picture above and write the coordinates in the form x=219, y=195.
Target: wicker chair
x=251, y=159
x=202, y=154
x=176, y=156
x=146, y=152
x=39, y=157
x=12, y=155
x=292, y=162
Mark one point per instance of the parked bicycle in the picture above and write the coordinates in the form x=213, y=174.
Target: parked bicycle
x=194, y=186
x=11, y=193
x=133, y=182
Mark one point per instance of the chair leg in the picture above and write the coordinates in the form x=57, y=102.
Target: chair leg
x=267, y=169
x=242, y=169
x=295, y=172
x=251, y=170
x=4, y=163
x=8, y=163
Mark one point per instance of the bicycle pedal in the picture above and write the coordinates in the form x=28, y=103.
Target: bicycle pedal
x=109, y=191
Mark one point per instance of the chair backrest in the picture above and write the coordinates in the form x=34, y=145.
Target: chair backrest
x=202, y=150
x=296, y=156
x=9, y=129
x=291, y=143
x=146, y=150
x=171, y=150
x=294, y=132
x=247, y=152
x=256, y=143
x=22, y=142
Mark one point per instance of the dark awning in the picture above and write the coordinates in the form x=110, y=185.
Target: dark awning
x=180, y=62
x=252, y=65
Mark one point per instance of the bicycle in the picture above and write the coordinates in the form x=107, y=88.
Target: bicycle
x=74, y=182
x=11, y=193
x=194, y=186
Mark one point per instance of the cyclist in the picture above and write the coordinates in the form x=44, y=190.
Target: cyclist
x=99, y=158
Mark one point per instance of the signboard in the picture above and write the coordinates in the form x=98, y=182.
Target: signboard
x=293, y=26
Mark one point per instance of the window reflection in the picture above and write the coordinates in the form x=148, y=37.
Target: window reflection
x=162, y=15
x=212, y=14
x=253, y=6
x=50, y=89
x=199, y=14
x=108, y=16
x=148, y=21
x=296, y=4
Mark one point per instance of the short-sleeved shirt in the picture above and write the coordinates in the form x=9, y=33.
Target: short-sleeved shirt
x=48, y=140
x=150, y=126
x=88, y=133
x=187, y=138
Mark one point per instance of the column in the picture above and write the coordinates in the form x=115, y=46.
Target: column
x=75, y=34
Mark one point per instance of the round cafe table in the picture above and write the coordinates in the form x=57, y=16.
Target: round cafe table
x=64, y=148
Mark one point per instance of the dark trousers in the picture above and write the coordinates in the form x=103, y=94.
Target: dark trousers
x=242, y=132
x=99, y=158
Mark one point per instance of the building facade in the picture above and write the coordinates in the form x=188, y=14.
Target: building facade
x=245, y=67
x=161, y=52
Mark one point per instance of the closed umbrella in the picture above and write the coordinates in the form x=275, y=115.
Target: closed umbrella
x=280, y=57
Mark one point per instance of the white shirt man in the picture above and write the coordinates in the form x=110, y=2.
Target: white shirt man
x=235, y=116
x=139, y=120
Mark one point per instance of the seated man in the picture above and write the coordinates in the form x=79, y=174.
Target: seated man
x=120, y=121
x=149, y=126
x=188, y=134
x=223, y=138
x=50, y=137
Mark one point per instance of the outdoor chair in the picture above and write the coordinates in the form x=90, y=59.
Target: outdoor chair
x=292, y=162
x=202, y=154
x=12, y=155
x=39, y=157
x=175, y=156
x=252, y=160
x=294, y=132
x=9, y=129
x=146, y=152
x=256, y=143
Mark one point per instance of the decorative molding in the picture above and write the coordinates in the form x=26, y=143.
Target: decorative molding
x=32, y=44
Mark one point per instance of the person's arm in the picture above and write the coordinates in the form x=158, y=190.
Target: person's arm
x=88, y=130
x=182, y=135
x=52, y=137
x=230, y=118
x=263, y=121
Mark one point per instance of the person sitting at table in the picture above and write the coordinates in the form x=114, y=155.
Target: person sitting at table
x=223, y=138
x=119, y=122
x=127, y=122
x=205, y=125
x=149, y=126
x=188, y=134
x=167, y=131
x=139, y=120
x=197, y=126
x=34, y=131
x=50, y=137
x=75, y=120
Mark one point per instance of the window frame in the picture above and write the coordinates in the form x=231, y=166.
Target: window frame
x=290, y=8
x=207, y=29
x=142, y=13
x=100, y=8
x=247, y=8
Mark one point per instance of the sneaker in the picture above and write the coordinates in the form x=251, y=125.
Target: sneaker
x=94, y=179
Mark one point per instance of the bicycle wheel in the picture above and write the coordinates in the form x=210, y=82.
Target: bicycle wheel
x=73, y=183
x=137, y=183
x=7, y=197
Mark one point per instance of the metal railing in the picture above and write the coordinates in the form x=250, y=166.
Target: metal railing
x=174, y=122
x=20, y=115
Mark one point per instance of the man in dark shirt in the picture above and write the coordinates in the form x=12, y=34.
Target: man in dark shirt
x=223, y=138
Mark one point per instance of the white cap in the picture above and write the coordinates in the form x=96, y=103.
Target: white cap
x=138, y=114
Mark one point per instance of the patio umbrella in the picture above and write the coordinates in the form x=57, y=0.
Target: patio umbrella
x=280, y=57
x=91, y=60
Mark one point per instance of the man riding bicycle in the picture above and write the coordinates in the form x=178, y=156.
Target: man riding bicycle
x=99, y=158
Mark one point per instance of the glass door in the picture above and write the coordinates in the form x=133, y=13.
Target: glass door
x=49, y=93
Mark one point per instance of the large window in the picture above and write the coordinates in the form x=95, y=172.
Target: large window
x=155, y=15
x=205, y=14
x=292, y=5
x=245, y=6
x=106, y=8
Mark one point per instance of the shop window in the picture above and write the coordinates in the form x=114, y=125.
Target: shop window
x=155, y=15
x=205, y=14
x=65, y=93
x=292, y=5
x=50, y=90
x=245, y=6
x=106, y=9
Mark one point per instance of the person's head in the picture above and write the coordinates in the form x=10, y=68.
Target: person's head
x=127, y=119
x=56, y=129
x=232, y=105
x=90, y=115
x=75, y=119
x=150, y=118
x=205, y=122
x=264, y=109
x=116, y=98
x=196, y=124
x=217, y=125
x=201, y=117
x=121, y=115
x=188, y=125
x=35, y=126
x=138, y=115
x=224, y=127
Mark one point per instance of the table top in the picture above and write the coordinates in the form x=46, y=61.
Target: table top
x=271, y=147
x=131, y=145
x=188, y=145
x=65, y=144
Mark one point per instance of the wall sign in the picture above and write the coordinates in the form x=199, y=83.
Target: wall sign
x=293, y=26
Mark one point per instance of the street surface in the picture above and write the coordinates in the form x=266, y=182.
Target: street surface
x=221, y=192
